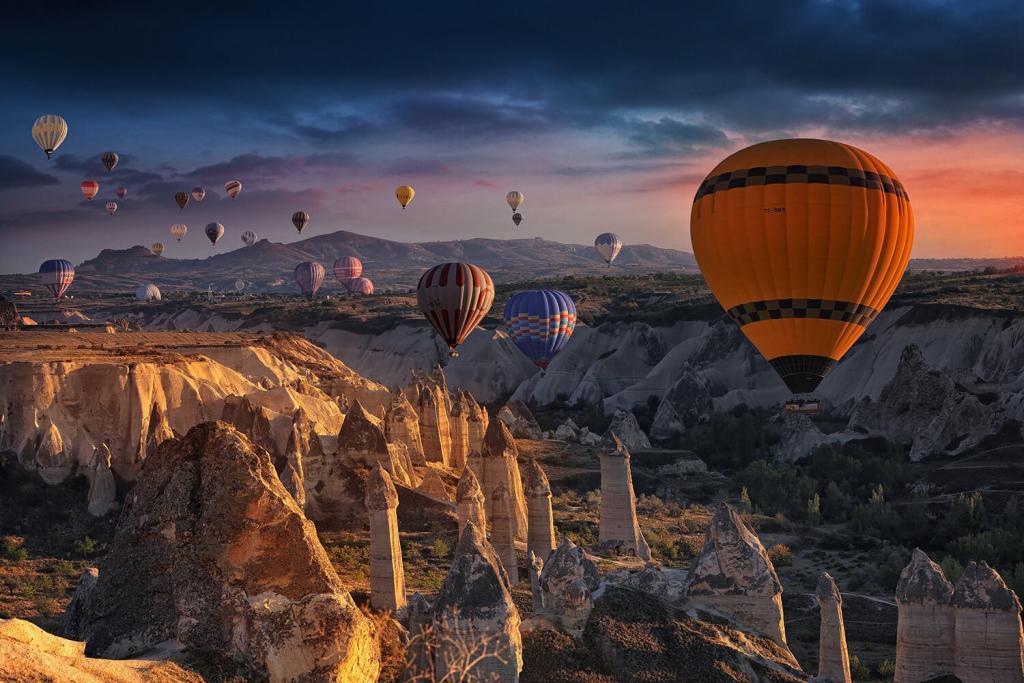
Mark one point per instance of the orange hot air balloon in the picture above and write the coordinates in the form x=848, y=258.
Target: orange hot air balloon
x=802, y=242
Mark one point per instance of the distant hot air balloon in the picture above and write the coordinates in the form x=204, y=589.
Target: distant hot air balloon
x=310, y=275
x=157, y=248
x=299, y=220
x=214, y=231
x=608, y=246
x=58, y=274
x=455, y=297
x=122, y=192
x=802, y=242
x=232, y=187
x=249, y=237
x=181, y=199
x=147, y=292
x=514, y=199
x=517, y=218
x=49, y=132
x=178, y=230
x=90, y=188
x=198, y=194
x=404, y=194
x=540, y=323
x=111, y=207
x=347, y=268
x=360, y=285
x=109, y=160
x=239, y=285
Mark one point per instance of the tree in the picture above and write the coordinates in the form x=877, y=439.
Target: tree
x=814, y=510
x=745, y=506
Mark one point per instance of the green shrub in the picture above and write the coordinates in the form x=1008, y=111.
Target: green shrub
x=440, y=549
x=11, y=550
x=86, y=547
x=781, y=555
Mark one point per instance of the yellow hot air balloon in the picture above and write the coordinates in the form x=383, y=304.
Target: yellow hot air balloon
x=802, y=242
x=49, y=132
x=404, y=194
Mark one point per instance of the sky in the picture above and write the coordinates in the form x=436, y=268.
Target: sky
x=606, y=115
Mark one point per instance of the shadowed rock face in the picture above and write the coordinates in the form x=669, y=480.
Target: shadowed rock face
x=566, y=583
x=619, y=531
x=475, y=607
x=214, y=553
x=733, y=574
x=926, y=629
x=251, y=420
x=922, y=581
x=361, y=440
x=627, y=429
x=989, y=637
x=520, y=421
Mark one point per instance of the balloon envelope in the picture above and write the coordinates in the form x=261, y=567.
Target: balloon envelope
x=299, y=220
x=310, y=275
x=214, y=231
x=249, y=237
x=514, y=199
x=90, y=188
x=178, y=230
x=49, y=131
x=232, y=187
x=347, y=268
x=404, y=194
x=517, y=218
x=239, y=285
x=111, y=207
x=57, y=275
x=802, y=242
x=148, y=292
x=360, y=285
x=157, y=248
x=198, y=194
x=109, y=160
x=455, y=297
x=181, y=199
x=122, y=192
x=540, y=323
x=608, y=246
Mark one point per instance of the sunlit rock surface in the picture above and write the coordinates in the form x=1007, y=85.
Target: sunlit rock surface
x=925, y=635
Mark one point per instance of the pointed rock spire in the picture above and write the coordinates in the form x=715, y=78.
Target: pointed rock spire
x=989, y=638
x=498, y=464
x=503, y=533
x=402, y=425
x=926, y=627
x=833, y=657
x=619, y=531
x=387, y=572
x=541, y=525
x=469, y=500
x=458, y=423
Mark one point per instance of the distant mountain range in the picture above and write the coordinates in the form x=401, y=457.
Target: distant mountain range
x=268, y=266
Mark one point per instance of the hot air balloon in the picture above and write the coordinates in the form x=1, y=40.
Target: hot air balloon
x=540, y=323
x=109, y=160
x=360, y=285
x=198, y=194
x=299, y=220
x=232, y=187
x=455, y=297
x=608, y=246
x=58, y=274
x=239, y=285
x=214, y=231
x=178, y=230
x=90, y=188
x=404, y=194
x=181, y=199
x=157, y=248
x=111, y=207
x=249, y=237
x=147, y=292
x=802, y=242
x=310, y=275
x=49, y=132
x=122, y=192
x=517, y=218
x=347, y=268
x=514, y=199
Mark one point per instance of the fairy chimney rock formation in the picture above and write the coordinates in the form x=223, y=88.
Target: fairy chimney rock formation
x=498, y=463
x=458, y=423
x=469, y=501
x=927, y=624
x=418, y=655
x=213, y=553
x=477, y=420
x=502, y=533
x=535, y=566
x=435, y=432
x=567, y=581
x=302, y=451
x=627, y=429
x=733, y=575
x=988, y=637
x=387, y=574
x=833, y=657
x=520, y=421
x=102, y=487
x=619, y=531
x=361, y=440
x=476, y=623
x=433, y=485
x=159, y=429
x=251, y=420
x=402, y=425
x=52, y=460
x=541, y=532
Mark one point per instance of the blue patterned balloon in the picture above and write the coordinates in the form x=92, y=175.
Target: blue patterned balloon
x=540, y=323
x=58, y=275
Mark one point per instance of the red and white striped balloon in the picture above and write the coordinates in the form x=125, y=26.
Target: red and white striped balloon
x=310, y=275
x=232, y=187
x=347, y=268
x=360, y=285
x=455, y=297
x=90, y=188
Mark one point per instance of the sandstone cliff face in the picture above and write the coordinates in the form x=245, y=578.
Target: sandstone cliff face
x=361, y=441
x=387, y=571
x=989, y=639
x=734, y=575
x=498, y=464
x=458, y=423
x=926, y=629
x=470, y=501
x=431, y=406
x=214, y=553
x=402, y=426
x=619, y=531
x=541, y=531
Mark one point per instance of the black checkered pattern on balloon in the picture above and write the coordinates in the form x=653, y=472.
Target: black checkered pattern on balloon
x=800, y=173
x=821, y=309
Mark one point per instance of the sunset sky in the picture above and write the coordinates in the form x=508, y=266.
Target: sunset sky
x=606, y=116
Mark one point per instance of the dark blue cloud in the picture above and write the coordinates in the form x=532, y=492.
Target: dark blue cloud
x=15, y=173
